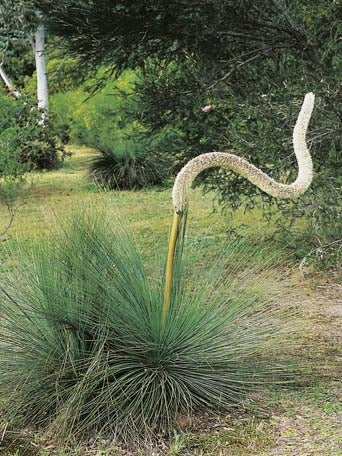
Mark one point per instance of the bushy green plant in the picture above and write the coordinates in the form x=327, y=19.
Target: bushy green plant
x=84, y=346
x=129, y=157
x=63, y=74
x=312, y=228
x=12, y=180
x=128, y=166
x=99, y=121
x=18, y=56
x=21, y=129
x=63, y=106
x=43, y=149
x=258, y=128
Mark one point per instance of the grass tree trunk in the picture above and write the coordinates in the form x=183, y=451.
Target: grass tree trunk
x=42, y=84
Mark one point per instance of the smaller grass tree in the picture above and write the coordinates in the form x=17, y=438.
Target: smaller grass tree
x=90, y=343
x=127, y=166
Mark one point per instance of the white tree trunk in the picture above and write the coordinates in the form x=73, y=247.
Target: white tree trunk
x=42, y=85
x=8, y=83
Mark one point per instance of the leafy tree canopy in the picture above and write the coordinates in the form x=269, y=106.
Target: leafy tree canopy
x=125, y=33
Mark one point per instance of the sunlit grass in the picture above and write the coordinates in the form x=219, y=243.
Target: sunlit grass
x=147, y=213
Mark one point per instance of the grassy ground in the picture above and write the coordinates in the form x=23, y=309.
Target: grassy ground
x=147, y=213
x=299, y=420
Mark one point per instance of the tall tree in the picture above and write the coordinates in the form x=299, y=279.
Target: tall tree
x=20, y=20
x=38, y=45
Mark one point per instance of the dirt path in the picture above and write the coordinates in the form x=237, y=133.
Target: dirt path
x=312, y=424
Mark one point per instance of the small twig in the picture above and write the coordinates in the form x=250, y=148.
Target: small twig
x=301, y=267
x=12, y=213
x=337, y=285
x=3, y=433
x=304, y=260
x=60, y=66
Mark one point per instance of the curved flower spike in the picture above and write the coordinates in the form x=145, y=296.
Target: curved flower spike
x=187, y=174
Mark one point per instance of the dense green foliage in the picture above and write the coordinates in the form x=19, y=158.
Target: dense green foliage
x=100, y=121
x=12, y=169
x=130, y=33
x=63, y=74
x=84, y=346
x=316, y=242
x=29, y=143
x=258, y=126
x=128, y=157
x=18, y=60
x=18, y=21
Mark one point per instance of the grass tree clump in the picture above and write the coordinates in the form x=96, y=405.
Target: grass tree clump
x=127, y=167
x=89, y=342
x=85, y=345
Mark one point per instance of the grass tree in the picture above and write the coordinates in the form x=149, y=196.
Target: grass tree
x=90, y=342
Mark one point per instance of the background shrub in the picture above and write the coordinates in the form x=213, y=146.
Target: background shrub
x=12, y=180
x=63, y=73
x=101, y=120
x=130, y=156
x=255, y=120
x=312, y=229
x=31, y=144
x=128, y=166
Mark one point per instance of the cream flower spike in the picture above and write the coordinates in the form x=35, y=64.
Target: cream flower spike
x=188, y=173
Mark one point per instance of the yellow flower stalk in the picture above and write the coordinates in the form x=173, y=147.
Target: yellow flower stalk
x=241, y=166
